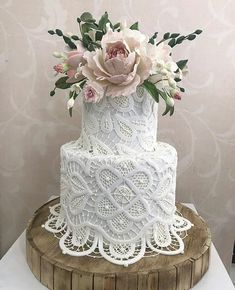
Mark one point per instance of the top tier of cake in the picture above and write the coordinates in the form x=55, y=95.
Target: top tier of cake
x=121, y=125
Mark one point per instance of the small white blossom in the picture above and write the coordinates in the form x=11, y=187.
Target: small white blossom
x=70, y=103
x=75, y=88
x=57, y=54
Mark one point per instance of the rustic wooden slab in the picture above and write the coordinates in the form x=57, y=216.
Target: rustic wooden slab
x=63, y=272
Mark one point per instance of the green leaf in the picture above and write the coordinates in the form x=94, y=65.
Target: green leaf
x=152, y=39
x=66, y=39
x=59, y=32
x=166, y=35
x=86, y=41
x=191, y=37
x=198, y=31
x=98, y=35
x=75, y=37
x=69, y=42
x=61, y=83
x=178, y=80
x=152, y=90
x=51, y=32
x=117, y=25
x=172, y=42
x=135, y=26
x=86, y=16
x=103, y=21
x=180, y=39
x=85, y=28
x=182, y=63
x=72, y=45
x=174, y=35
x=168, y=101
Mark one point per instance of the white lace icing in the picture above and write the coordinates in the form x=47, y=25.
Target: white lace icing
x=118, y=186
x=129, y=121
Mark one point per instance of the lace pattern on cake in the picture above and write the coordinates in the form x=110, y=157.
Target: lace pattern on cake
x=160, y=238
x=128, y=120
x=119, y=206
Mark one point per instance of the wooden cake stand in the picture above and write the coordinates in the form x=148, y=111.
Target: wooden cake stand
x=63, y=272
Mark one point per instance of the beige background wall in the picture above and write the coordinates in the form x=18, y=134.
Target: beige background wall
x=34, y=125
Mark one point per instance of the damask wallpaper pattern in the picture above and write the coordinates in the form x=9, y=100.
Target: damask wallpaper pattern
x=34, y=125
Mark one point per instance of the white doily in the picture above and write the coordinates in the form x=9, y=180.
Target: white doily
x=160, y=238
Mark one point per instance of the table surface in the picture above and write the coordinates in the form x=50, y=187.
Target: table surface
x=16, y=275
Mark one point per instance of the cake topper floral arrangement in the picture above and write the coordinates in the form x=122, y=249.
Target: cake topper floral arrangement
x=109, y=59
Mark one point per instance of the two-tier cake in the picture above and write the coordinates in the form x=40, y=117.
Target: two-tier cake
x=118, y=184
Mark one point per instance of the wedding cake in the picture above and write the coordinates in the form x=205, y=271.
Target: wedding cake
x=117, y=198
x=118, y=185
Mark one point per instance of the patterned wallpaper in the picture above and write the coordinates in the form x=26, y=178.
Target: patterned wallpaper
x=34, y=125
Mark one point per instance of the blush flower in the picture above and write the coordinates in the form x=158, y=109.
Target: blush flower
x=74, y=62
x=121, y=65
x=92, y=92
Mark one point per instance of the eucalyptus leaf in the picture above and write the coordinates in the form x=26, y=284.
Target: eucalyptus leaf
x=198, y=31
x=172, y=42
x=103, y=21
x=166, y=35
x=180, y=39
x=72, y=45
x=86, y=16
x=59, y=32
x=191, y=37
x=75, y=37
x=174, y=35
x=51, y=32
x=98, y=35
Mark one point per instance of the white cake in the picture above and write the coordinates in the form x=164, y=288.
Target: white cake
x=118, y=183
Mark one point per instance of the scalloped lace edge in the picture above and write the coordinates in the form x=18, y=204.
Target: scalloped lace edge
x=81, y=240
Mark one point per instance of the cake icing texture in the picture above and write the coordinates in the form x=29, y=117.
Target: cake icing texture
x=118, y=184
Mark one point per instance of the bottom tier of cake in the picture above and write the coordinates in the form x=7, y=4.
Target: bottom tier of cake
x=120, y=207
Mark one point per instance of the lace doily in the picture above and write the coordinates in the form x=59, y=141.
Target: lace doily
x=160, y=238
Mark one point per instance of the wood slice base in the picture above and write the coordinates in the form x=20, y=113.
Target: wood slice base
x=63, y=272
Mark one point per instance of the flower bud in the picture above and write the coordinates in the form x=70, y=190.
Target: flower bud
x=175, y=94
x=70, y=103
x=56, y=54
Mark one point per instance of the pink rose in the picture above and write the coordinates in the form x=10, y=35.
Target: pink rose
x=121, y=65
x=61, y=68
x=92, y=92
